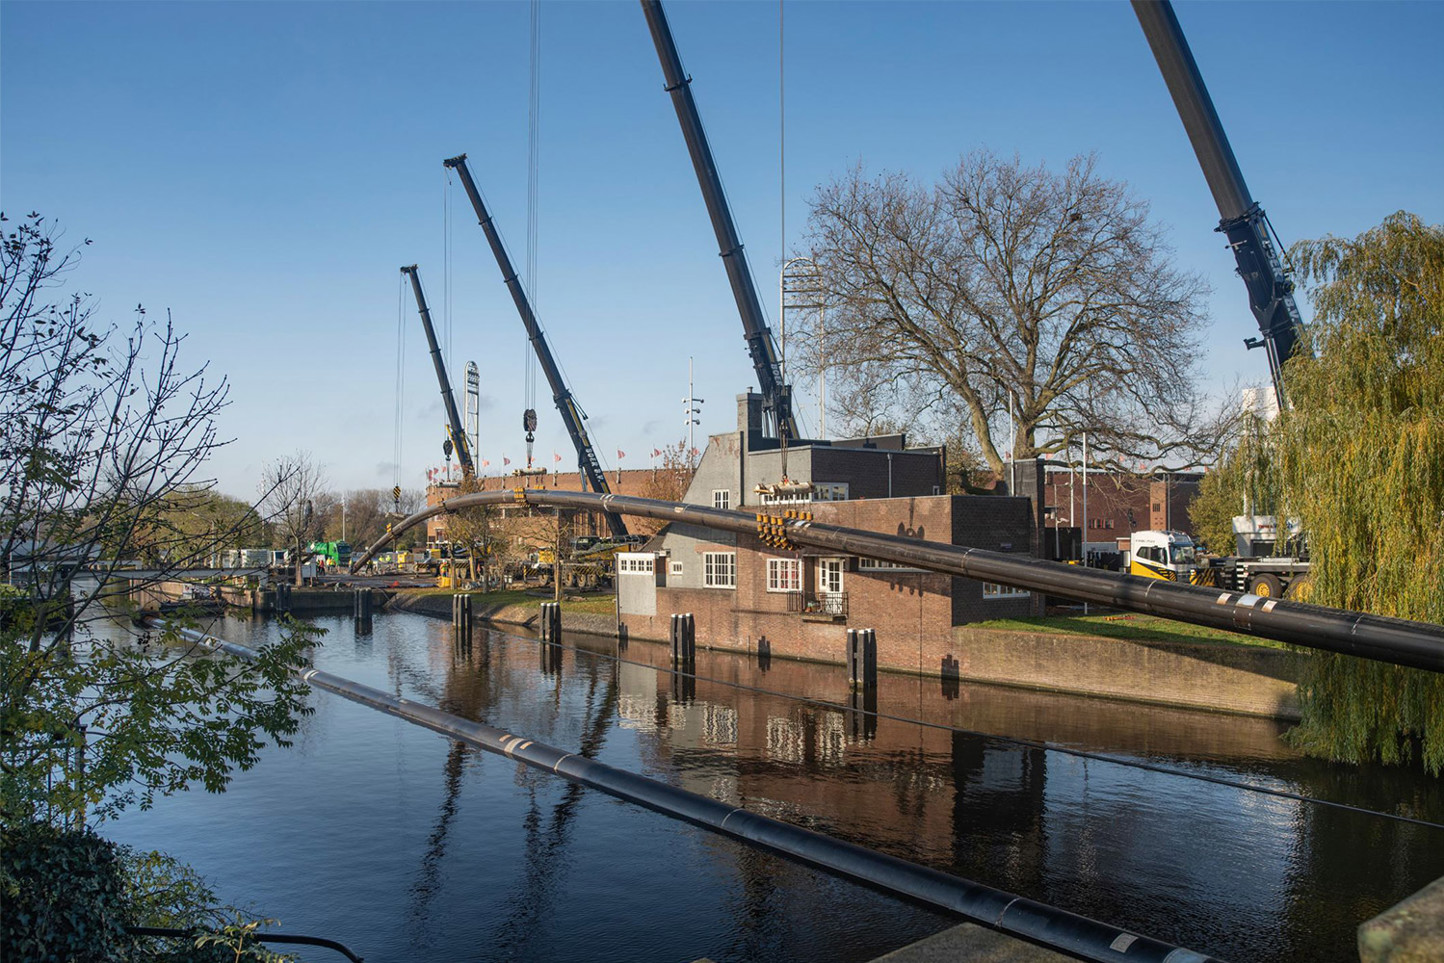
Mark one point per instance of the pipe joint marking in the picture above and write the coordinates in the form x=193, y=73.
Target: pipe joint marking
x=1004, y=911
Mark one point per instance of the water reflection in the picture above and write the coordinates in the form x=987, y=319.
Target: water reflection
x=493, y=862
x=1213, y=867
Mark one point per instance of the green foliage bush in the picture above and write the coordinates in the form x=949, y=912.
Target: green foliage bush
x=65, y=895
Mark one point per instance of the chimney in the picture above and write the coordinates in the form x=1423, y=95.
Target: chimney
x=749, y=413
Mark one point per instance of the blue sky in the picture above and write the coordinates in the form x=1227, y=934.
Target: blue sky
x=263, y=169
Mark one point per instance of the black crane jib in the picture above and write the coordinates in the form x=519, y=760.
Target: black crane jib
x=588, y=462
x=453, y=419
x=1242, y=220
x=776, y=395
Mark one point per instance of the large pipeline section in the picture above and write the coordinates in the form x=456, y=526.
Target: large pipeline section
x=1078, y=936
x=1418, y=645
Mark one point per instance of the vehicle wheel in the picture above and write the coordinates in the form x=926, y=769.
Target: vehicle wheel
x=1266, y=586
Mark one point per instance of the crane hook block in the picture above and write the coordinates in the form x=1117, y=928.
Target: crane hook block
x=528, y=420
x=446, y=447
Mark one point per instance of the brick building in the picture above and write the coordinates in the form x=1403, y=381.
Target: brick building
x=1113, y=508
x=801, y=602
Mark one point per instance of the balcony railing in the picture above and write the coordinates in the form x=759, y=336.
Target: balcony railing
x=821, y=605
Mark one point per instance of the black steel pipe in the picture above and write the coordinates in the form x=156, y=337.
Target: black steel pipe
x=260, y=937
x=1078, y=936
x=1418, y=645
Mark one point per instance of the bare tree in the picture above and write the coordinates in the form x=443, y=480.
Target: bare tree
x=103, y=440
x=1007, y=289
x=290, y=488
x=669, y=481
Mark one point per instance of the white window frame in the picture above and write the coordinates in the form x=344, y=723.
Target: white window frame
x=826, y=565
x=992, y=590
x=636, y=563
x=719, y=570
x=784, y=575
x=865, y=564
x=722, y=498
x=675, y=569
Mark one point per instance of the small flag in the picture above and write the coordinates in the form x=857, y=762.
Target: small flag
x=656, y=452
x=696, y=452
x=556, y=457
x=485, y=463
x=621, y=454
x=505, y=460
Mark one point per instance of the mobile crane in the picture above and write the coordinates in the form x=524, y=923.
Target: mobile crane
x=776, y=395
x=456, y=434
x=1242, y=220
x=589, y=463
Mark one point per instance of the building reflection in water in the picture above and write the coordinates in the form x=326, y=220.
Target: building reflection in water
x=1214, y=867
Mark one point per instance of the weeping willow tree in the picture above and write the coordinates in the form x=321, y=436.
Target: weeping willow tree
x=1360, y=458
x=1242, y=482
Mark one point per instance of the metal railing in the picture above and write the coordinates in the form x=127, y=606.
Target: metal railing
x=825, y=604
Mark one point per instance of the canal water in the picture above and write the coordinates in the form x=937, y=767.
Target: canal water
x=405, y=846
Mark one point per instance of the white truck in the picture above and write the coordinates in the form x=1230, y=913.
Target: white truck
x=1265, y=564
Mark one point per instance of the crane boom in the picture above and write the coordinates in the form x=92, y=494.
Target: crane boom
x=588, y=462
x=453, y=420
x=1242, y=220
x=776, y=395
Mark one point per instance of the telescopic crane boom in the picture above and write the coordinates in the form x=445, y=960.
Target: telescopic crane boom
x=453, y=420
x=776, y=396
x=1243, y=222
x=590, y=464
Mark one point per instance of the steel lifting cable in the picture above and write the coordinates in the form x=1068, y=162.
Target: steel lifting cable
x=446, y=265
x=1043, y=745
x=400, y=384
x=533, y=190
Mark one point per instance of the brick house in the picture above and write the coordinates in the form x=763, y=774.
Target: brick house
x=801, y=602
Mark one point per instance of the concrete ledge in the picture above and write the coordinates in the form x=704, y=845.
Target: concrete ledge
x=1217, y=676
x=970, y=943
x=439, y=606
x=1408, y=932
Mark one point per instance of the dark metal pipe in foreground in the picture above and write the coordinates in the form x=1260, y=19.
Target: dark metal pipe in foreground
x=1079, y=936
x=1418, y=645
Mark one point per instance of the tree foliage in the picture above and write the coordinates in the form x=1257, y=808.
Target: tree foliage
x=1360, y=458
x=103, y=437
x=1009, y=294
x=290, y=488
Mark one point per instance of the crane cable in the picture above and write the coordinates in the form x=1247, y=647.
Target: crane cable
x=400, y=388
x=533, y=165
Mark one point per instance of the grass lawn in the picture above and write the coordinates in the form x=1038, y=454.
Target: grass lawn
x=1130, y=626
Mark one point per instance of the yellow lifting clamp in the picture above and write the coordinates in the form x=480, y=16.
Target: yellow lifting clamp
x=520, y=494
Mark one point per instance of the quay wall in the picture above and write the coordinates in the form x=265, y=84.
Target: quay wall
x=1217, y=677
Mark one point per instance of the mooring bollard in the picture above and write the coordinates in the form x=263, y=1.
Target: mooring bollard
x=551, y=622
x=862, y=658
x=869, y=659
x=854, y=659
x=684, y=640
x=362, y=603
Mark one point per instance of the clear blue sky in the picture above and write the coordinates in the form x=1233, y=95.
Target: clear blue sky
x=263, y=169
